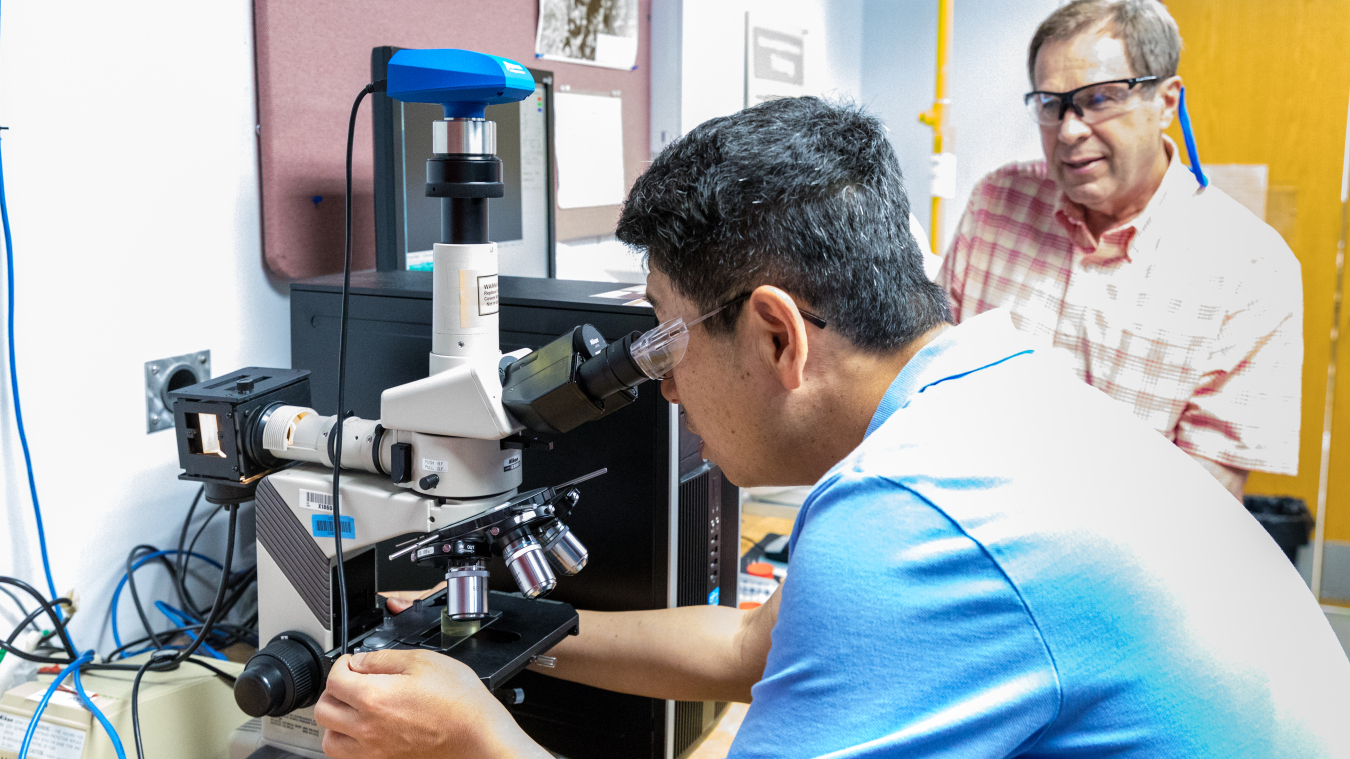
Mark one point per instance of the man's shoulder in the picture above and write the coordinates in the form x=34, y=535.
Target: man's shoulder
x=1218, y=213
x=1242, y=254
x=1028, y=179
x=1014, y=207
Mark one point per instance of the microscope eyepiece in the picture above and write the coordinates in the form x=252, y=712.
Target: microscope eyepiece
x=611, y=370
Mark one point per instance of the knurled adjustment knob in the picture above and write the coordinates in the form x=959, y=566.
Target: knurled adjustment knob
x=285, y=675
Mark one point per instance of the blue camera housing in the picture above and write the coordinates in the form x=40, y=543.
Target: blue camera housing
x=463, y=82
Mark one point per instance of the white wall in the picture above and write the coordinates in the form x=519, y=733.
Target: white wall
x=987, y=78
x=698, y=56
x=698, y=73
x=131, y=174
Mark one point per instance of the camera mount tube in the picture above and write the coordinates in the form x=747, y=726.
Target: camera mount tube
x=464, y=172
x=464, y=304
x=296, y=433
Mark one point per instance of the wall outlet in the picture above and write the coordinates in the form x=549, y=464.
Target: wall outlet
x=168, y=374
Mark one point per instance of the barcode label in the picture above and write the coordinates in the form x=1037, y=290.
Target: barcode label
x=323, y=527
x=316, y=501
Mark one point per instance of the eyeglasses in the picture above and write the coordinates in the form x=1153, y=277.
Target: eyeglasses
x=1092, y=103
x=659, y=349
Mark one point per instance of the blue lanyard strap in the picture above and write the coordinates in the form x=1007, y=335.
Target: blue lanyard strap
x=1189, y=136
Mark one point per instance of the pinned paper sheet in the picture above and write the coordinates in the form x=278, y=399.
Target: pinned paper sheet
x=588, y=32
x=588, y=142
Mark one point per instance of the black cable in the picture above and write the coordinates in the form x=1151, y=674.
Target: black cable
x=33, y=615
x=135, y=701
x=50, y=608
x=22, y=609
x=219, y=672
x=342, y=379
x=11, y=650
x=156, y=662
x=160, y=660
x=136, y=597
x=180, y=559
x=232, y=634
x=239, y=587
x=220, y=589
x=193, y=608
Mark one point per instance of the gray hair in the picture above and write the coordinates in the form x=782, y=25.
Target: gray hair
x=1152, y=40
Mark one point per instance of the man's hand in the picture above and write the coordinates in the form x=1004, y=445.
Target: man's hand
x=414, y=705
x=402, y=599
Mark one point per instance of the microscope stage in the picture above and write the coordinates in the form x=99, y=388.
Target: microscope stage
x=517, y=630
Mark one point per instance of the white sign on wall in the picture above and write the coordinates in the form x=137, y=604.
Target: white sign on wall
x=775, y=59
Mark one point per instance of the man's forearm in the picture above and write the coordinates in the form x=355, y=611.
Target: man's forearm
x=695, y=653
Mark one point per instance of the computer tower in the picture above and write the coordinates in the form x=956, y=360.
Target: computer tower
x=657, y=524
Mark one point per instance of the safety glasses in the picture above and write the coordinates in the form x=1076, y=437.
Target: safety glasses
x=659, y=349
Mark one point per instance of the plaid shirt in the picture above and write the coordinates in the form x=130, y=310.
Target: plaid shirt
x=1191, y=314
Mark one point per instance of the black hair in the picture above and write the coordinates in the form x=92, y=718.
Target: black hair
x=799, y=193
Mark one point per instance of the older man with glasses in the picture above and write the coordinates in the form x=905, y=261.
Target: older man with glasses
x=1166, y=295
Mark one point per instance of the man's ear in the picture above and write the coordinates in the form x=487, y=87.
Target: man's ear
x=1169, y=91
x=778, y=334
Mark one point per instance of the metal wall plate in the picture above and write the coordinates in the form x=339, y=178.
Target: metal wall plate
x=167, y=374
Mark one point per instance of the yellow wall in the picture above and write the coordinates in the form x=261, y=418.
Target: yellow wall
x=1267, y=81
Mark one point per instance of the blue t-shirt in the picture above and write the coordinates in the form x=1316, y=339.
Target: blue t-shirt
x=1012, y=565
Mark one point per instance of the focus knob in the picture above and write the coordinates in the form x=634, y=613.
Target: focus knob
x=287, y=674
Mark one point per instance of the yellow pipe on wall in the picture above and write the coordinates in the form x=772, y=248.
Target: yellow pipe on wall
x=936, y=117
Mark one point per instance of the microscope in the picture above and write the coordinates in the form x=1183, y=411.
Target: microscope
x=443, y=462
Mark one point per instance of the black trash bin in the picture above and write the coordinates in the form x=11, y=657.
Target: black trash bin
x=1286, y=519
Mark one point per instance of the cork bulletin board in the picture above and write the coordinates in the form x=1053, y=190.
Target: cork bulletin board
x=313, y=57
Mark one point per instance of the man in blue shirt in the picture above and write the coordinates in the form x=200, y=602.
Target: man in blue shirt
x=997, y=560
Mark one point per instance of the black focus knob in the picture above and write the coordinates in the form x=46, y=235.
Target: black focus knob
x=285, y=675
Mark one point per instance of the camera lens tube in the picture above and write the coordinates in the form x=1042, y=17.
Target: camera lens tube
x=525, y=558
x=565, y=552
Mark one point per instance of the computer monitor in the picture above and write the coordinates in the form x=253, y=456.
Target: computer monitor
x=408, y=223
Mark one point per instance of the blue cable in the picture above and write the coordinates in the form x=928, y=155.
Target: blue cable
x=1189, y=137
x=117, y=593
x=102, y=720
x=184, y=620
x=14, y=391
x=42, y=705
